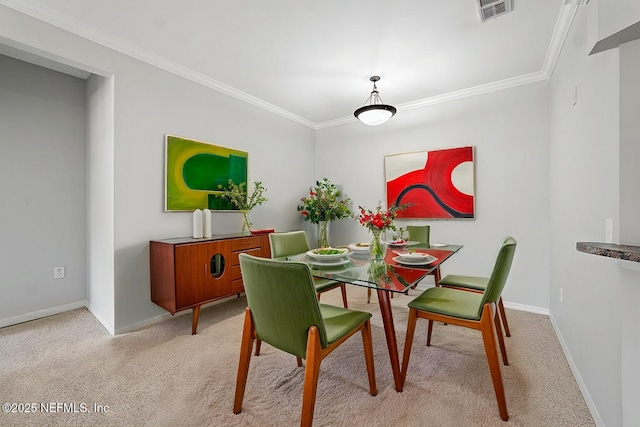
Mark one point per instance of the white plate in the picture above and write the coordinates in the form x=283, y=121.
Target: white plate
x=328, y=257
x=357, y=249
x=409, y=243
x=413, y=256
x=419, y=262
x=324, y=264
x=360, y=255
x=437, y=245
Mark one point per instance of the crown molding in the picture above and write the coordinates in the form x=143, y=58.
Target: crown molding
x=63, y=22
x=563, y=24
x=560, y=32
x=452, y=96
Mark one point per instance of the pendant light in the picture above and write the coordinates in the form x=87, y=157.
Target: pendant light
x=374, y=112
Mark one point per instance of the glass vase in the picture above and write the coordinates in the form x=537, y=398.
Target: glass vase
x=246, y=225
x=377, y=247
x=323, y=234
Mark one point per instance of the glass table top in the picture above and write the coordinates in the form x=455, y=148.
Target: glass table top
x=388, y=274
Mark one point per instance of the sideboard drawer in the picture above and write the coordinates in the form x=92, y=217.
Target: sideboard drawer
x=245, y=243
x=234, y=255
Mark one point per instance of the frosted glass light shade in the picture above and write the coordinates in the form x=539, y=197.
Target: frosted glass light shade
x=374, y=112
x=374, y=115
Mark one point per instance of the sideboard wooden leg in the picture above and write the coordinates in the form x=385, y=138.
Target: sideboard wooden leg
x=194, y=319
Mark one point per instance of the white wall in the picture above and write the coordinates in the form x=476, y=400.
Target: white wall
x=629, y=142
x=42, y=170
x=151, y=103
x=510, y=132
x=630, y=226
x=597, y=321
x=148, y=104
x=100, y=194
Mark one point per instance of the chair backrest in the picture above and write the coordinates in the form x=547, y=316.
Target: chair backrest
x=500, y=272
x=283, y=302
x=289, y=243
x=419, y=233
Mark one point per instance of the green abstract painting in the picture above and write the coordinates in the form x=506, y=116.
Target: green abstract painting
x=195, y=169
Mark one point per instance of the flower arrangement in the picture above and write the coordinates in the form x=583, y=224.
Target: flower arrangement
x=380, y=220
x=324, y=203
x=236, y=194
x=377, y=222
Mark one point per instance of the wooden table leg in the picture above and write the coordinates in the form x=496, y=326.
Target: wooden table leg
x=194, y=319
x=436, y=275
x=390, y=333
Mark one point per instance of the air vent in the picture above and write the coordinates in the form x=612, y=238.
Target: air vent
x=493, y=8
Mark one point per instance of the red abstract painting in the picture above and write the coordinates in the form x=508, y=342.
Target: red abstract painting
x=437, y=184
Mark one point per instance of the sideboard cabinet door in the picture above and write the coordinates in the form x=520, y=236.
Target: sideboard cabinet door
x=202, y=273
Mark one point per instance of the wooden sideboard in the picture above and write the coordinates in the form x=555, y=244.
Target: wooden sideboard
x=187, y=273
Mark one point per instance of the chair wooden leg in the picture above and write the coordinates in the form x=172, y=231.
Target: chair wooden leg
x=311, y=372
x=245, y=357
x=488, y=330
x=299, y=361
x=408, y=342
x=367, y=343
x=368, y=295
x=503, y=315
x=258, y=345
x=343, y=289
x=429, y=330
x=503, y=348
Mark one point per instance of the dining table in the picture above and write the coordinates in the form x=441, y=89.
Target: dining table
x=386, y=276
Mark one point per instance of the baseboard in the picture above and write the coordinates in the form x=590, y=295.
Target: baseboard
x=27, y=317
x=576, y=373
x=524, y=307
x=148, y=322
x=105, y=323
x=165, y=316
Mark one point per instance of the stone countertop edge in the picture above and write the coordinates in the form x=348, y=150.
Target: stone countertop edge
x=611, y=250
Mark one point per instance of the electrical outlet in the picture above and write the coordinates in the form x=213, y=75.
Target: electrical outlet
x=58, y=272
x=608, y=230
x=561, y=295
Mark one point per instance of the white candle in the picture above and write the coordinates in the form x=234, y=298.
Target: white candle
x=206, y=222
x=197, y=224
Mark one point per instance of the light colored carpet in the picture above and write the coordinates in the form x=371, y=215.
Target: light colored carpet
x=164, y=376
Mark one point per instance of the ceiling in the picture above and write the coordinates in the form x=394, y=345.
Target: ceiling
x=311, y=61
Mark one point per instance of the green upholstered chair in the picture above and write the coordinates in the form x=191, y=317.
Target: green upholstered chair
x=283, y=310
x=296, y=242
x=293, y=243
x=419, y=233
x=471, y=310
x=475, y=284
